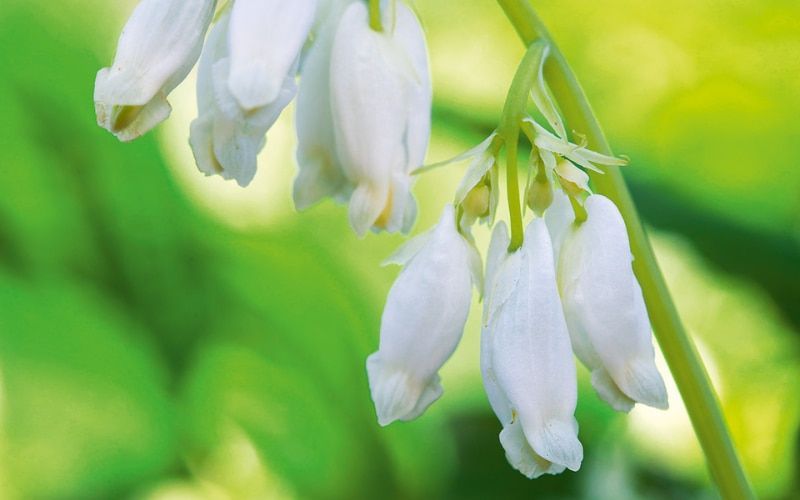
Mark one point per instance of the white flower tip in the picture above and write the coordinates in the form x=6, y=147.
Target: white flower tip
x=641, y=382
x=253, y=88
x=521, y=456
x=368, y=207
x=609, y=392
x=396, y=395
x=126, y=120
x=557, y=442
x=317, y=178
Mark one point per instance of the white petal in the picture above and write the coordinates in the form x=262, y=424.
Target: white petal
x=397, y=394
x=496, y=256
x=410, y=36
x=574, y=175
x=407, y=250
x=531, y=352
x=466, y=155
x=605, y=308
x=225, y=140
x=579, y=154
x=158, y=47
x=480, y=164
x=559, y=217
x=522, y=457
x=421, y=324
x=266, y=37
x=320, y=173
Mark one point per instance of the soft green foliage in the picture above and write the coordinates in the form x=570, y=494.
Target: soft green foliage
x=147, y=349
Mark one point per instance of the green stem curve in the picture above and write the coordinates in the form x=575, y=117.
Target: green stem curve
x=513, y=113
x=679, y=350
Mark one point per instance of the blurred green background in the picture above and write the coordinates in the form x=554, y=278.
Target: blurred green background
x=169, y=336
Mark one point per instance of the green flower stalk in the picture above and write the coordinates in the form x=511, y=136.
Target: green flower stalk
x=678, y=348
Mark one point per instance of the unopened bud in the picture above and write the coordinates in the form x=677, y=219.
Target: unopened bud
x=540, y=195
x=476, y=203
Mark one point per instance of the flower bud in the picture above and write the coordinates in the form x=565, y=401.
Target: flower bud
x=158, y=47
x=540, y=195
x=605, y=310
x=423, y=321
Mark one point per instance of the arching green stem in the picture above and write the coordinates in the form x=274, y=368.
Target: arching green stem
x=679, y=350
x=513, y=112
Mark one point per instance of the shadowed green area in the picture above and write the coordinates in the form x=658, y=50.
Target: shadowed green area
x=148, y=349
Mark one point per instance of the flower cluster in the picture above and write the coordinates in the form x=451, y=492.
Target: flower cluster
x=568, y=288
x=363, y=98
x=564, y=285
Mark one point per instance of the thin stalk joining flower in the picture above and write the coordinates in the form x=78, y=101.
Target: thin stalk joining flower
x=678, y=348
x=375, y=15
x=513, y=112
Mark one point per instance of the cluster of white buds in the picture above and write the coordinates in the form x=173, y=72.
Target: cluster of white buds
x=567, y=288
x=363, y=97
x=563, y=285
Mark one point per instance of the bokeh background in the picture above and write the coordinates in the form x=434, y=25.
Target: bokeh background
x=169, y=336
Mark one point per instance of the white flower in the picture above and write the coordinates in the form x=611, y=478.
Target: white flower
x=225, y=138
x=381, y=101
x=158, y=47
x=423, y=320
x=527, y=363
x=320, y=173
x=605, y=310
x=266, y=37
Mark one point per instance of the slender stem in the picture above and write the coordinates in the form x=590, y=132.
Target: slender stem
x=678, y=348
x=513, y=112
x=375, y=15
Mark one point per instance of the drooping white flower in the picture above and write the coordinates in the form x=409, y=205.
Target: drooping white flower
x=225, y=138
x=381, y=102
x=422, y=321
x=158, y=47
x=605, y=310
x=527, y=362
x=265, y=38
x=320, y=173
